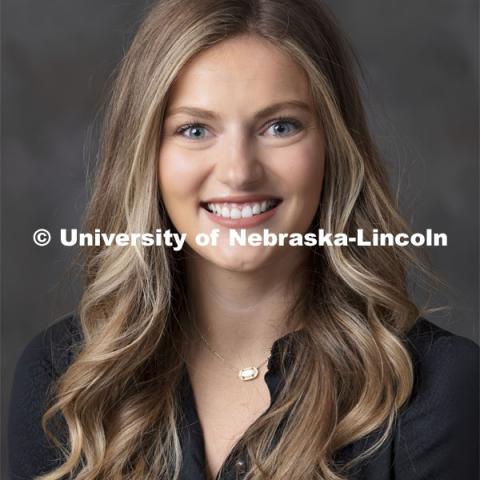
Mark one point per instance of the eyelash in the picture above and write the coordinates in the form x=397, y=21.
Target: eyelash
x=192, y=124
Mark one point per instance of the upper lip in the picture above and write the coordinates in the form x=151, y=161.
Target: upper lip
x=241, y=199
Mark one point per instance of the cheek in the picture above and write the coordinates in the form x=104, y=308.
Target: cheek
x=302, y=169
x=180, y=175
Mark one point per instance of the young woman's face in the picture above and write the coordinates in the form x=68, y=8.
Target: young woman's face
x=226, y=148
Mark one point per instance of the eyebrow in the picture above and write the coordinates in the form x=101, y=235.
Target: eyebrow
x=271, y=109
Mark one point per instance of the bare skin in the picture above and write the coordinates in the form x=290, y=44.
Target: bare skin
x=241, y=323
x=240, y=295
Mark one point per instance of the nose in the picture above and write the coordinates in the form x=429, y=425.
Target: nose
x=238, y=166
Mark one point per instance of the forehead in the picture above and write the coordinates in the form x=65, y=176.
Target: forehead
x=240, y=71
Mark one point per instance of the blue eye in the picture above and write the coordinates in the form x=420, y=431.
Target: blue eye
x=282, y=122
x=283, y=127
x=195, y=129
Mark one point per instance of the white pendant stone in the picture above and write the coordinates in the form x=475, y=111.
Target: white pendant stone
x=248, y=373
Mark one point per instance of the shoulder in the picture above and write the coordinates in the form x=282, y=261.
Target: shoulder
x=437, y=431
x=426, y=341
x=54, y=347
x=446, y=366
x=42, y=361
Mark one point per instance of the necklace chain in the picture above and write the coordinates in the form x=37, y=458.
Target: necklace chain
x=248, y=373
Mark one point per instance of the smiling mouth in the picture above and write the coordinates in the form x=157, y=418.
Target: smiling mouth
x=234, y=210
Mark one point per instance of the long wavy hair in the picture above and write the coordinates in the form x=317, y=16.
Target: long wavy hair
x=118, y=398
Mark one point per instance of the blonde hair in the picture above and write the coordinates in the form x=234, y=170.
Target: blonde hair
x=119, y=396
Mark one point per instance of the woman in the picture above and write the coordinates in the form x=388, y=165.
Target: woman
x=227, y=361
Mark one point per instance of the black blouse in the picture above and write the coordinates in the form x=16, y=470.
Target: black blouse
x=436, y=436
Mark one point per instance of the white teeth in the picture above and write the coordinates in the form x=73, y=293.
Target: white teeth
x=247, y=211
x=235, y=212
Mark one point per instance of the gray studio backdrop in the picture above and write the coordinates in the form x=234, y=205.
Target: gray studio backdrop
x=420, y=65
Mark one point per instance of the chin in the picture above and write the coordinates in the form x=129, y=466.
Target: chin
x=241, y=259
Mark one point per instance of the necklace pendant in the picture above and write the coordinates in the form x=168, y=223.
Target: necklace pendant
x=248, y=373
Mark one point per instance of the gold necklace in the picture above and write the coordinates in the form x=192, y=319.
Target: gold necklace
x=244, y=374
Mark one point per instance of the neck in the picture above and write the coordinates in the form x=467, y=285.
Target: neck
x=241, y=314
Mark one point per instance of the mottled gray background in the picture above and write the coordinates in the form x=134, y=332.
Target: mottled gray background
x=420, y=63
